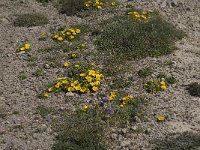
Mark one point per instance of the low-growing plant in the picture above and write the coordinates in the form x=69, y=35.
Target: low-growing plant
x=22, y=75
x=145, y=72
x=171, y=80
x=44, y=111
x=71, y=7
x=30, y=19
x=126, y=38
x=194, y=89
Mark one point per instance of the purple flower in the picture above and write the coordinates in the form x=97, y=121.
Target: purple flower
x=109, y=109
x=104, y=98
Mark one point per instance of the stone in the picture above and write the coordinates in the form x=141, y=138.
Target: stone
x=125, y=143
x=114, y=136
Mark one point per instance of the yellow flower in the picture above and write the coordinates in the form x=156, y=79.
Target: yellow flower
x=88, y=78
x=27, y=46
x=83, y=74
x=94, y=88
x=130, y=13
x=50, y=89
x=161, y=118
x=99, y=7
x=162, y=83
x=121, y=105
x=68, y=33
x=132, y=5
x=85, y=108
x=71, y=37
x=83, y=45
x=60, y=38
x=77, y=65
x=45, y=94
x=66, y=64
x=74, y=55
x=92, y=72
x=74, y=33
x=131, y=97
x=58, y=84
x=136, y=13
x=78, y=87
x=22, y=49
x=72, y=30
x=83, y=89
x=70, y=89
x=78, y=30
x=87, y=5
x=114, y=3
x=56, y=36
x=163, y=87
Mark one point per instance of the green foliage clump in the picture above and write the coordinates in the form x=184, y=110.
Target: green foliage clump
x=194, y=89
x=126, y=38
x=81, y=131
x=30, y=19
x=71, y=7
x=145, y=72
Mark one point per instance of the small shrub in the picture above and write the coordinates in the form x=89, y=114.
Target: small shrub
x=126, y=38
x=194, y=89
x=31, y=19
x=43, y=111
x=145, y=72
x=80, y=131
x=171, y=80
x=71, y=7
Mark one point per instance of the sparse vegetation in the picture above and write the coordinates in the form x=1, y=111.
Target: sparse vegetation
x=145, y=72
x=194, y=89
x=71, y=7
x=30, y=19
x=126, y=38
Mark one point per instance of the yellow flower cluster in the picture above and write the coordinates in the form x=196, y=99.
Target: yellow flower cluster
x=26, y=46
x=71, y=34
x=125, y=100
x=141, y=16
x=86, y=82
x=112, y=96
x=161, y=118
x=154, y=86
x=96, y=4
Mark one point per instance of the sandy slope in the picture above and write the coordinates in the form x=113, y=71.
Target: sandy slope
x=28, y=131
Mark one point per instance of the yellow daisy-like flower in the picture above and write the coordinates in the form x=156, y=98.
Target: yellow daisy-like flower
x=85, y=108
x=73, y=55
x=94, y=88
x=163, y=87
x=162, y=83
x=83, y=89
x=77, y=65
x=78, y=30
x=60, y=38
x=66, y=64
x=22, y=49
x=83, y=74
x=68, y=33
x=27, y=46
x=99, y=7
x=72, y=30
x=50, y=89
x=45, y=94
x=161, y=118
x=88, y=78
x=56, y=36
x=71, y=37
x=114, y=3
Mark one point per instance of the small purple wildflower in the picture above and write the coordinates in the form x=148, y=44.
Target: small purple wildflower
x=117, y=108
x=109, y=109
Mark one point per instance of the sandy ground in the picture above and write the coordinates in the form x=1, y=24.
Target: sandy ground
x=21, y=128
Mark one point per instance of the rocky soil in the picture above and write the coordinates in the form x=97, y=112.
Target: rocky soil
x=21, y=128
